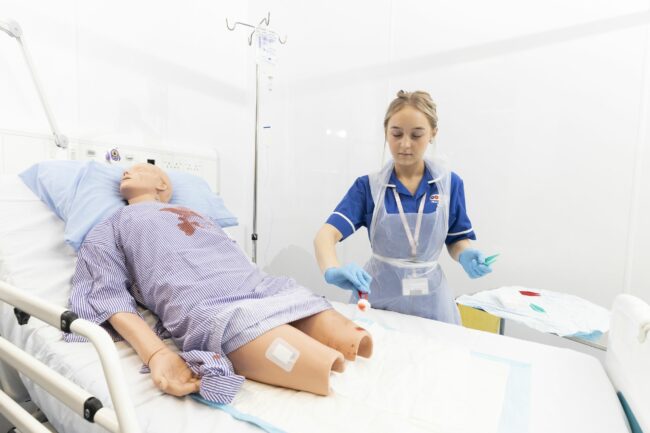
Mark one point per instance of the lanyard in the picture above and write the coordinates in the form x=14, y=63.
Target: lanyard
x=415, y=236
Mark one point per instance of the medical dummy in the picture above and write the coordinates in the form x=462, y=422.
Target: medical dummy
x=229, y=319
x=412, y=208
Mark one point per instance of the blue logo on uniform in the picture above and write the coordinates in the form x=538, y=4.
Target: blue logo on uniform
x=435, y=198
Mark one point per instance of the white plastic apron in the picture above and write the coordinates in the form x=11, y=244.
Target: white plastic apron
x=398, y=257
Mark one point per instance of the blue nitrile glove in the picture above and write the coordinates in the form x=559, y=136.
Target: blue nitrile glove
x=473, y=261
x=349, y=277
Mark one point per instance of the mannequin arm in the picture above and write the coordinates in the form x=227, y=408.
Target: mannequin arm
x=325, y=247
x=139, y=335
x=168, y=370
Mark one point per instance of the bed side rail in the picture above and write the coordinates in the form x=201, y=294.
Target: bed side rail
x=123, y=419
x=19, y=417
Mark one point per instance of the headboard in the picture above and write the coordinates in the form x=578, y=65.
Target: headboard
x=19, y=150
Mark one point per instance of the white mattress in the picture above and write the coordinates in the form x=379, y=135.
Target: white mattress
x=565, y=391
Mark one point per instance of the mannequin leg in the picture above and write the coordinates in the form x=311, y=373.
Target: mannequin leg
x=310, y=372
x=338, y=332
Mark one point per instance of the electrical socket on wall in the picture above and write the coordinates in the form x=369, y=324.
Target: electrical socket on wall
x=187, y=165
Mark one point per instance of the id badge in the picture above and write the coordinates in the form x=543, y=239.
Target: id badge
x=415, y=286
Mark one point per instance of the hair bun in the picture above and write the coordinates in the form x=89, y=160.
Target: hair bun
x=419, y=100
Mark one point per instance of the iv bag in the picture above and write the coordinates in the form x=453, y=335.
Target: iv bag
x=267, y=42
x=265, y=54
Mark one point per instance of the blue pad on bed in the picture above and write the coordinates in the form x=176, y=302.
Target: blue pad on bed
x=515, y=415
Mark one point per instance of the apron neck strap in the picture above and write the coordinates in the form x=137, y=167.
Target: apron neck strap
x=414, y=237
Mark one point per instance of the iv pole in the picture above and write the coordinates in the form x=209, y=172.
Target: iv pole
x=261, y=27
x=12, y=28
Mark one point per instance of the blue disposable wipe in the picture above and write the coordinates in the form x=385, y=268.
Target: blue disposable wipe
x=229, y=409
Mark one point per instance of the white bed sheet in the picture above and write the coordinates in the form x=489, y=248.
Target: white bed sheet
x=570, y=392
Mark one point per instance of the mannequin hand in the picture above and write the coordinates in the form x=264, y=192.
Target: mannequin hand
x=473, y=261
x=171, y=374
x=349, y=277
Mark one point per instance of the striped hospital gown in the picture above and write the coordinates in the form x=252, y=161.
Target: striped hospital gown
x=206, y=293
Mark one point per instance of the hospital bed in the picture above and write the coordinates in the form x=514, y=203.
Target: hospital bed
x=501, y=384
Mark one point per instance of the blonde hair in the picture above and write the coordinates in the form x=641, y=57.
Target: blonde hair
x=420, y=100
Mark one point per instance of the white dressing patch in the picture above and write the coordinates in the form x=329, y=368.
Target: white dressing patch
x=282, y=354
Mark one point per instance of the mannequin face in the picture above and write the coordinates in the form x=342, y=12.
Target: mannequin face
x=408, y=134
x=145, y=182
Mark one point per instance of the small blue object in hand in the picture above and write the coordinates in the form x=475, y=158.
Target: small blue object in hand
x=475, y=263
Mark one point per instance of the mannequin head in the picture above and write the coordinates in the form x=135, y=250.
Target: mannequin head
x=145, y=182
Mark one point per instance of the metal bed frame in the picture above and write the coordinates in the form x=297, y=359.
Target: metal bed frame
x=122, y=419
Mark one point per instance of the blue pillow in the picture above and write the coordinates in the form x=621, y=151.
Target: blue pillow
x=51, y=181
x=83, y=194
